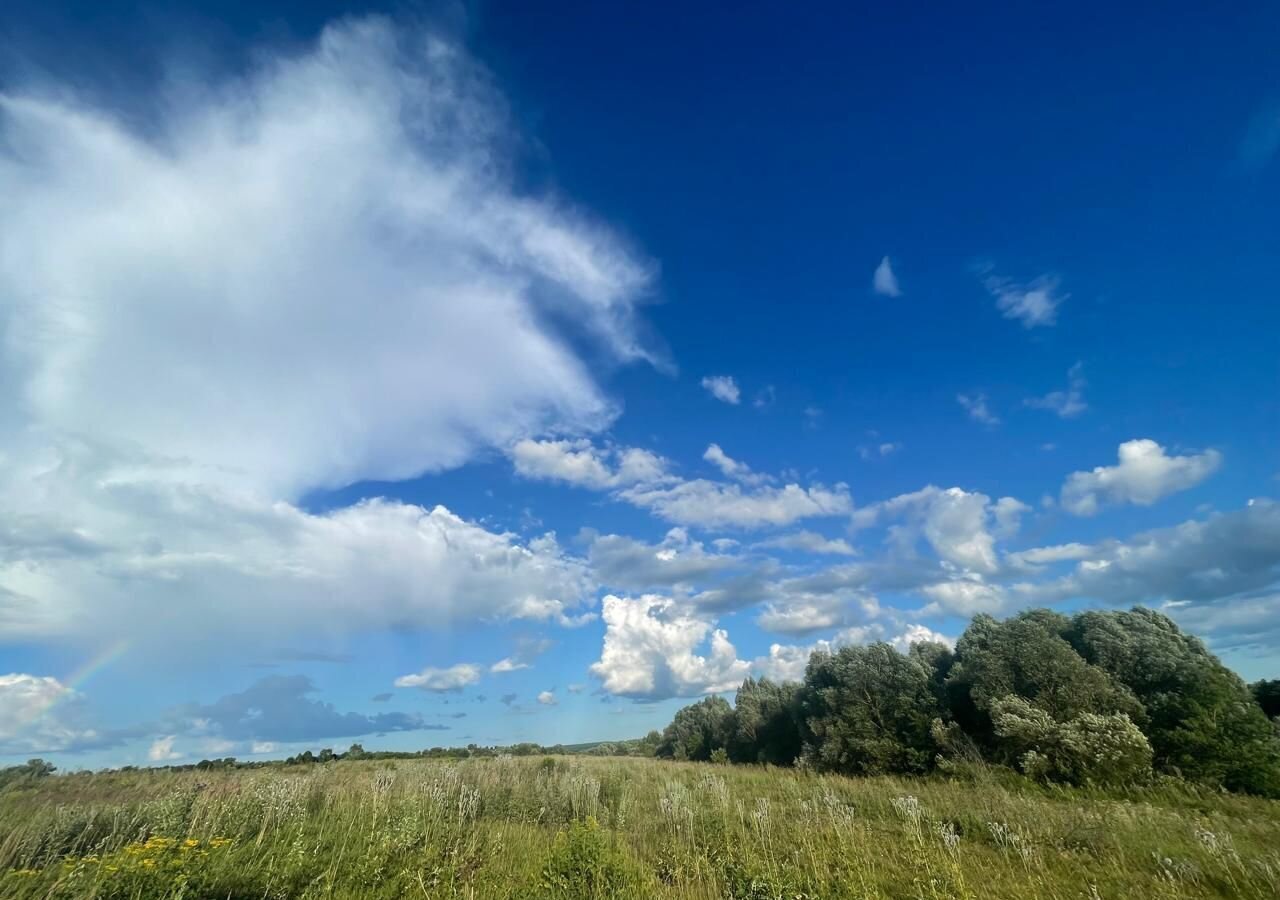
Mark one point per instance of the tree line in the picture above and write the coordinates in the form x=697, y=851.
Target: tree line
x=1096, y=698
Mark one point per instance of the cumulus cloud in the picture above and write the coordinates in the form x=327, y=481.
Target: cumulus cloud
x=163, y=544
x=956, y=523
x=1035, y=305
x=318, y=274
x=711, y=504
x=732, y=468
x=1145, y=474
x=630, y=564
x=582, y=464
x=40, y=715
x=547, y=698
x=651, y=651
x=1068, y=403
x=453, y=678
x=976, y=406
x=884, y=282
x=808, y=542
x=723, y=387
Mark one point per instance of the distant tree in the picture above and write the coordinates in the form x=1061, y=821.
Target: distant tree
x=355, y=751
x=766, y=726
x=867, y=711
x=1202, y=720
x=697, y=730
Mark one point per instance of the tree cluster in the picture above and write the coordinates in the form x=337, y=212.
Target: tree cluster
x=1100, y=697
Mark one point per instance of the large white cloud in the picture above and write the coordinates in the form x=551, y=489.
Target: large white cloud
x=317, y=274
x=114, y=548
x=651, y=649
x=1145, y=474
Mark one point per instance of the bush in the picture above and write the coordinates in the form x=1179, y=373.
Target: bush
x=587, y=864
x=1089, y=749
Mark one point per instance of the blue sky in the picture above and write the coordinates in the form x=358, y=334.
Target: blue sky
x=429, y=375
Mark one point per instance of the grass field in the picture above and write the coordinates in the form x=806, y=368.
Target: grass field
x=579, y=827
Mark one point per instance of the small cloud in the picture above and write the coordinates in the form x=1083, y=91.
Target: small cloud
x=884, y=282
x=259, y=747
x=454, y=678
x=547, y=698
x=878, y=451
x=976, y=406
x=381, y=698
x=1143, y=475
x=508, y=699
x=723, y=387
x=1035, y=305
x=812, y=416
x=162, y=749
x=576, y=688
x=765, y=398
x=1064, y=404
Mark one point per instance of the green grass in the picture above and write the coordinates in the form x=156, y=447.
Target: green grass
x=578, y=827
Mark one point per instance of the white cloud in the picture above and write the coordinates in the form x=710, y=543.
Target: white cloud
x=723, y=387
x=118, y=548
x=628, y=564
x=884, y=282
x=1144, y=475
x=582, y=464
x=712, y=504
x=38, y=715
x=976, y=406
x=454, y=678
x=955, y=523
x=161, y=749
x=1064, y=404
x=316, y=275
x=257, y=748
x=964, y=597
x=1034, y=305
x=508, y=664
x=650, y=651
x=547, y=698
x=878, y=450
x=809, y=542
x=732, y=468
x=1042, y=556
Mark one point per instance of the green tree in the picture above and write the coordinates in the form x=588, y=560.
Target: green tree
x=697, y=730
x=1027, y=656
x=1201, y=718
x=866, y=711
x=766, y=727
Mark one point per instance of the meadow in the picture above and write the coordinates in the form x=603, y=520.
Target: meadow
x=584, y=827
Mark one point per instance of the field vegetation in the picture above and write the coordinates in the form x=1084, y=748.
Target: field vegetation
x=595, y=827
x=1106, y=755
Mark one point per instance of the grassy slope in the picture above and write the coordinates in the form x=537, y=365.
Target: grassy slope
x=644, y=828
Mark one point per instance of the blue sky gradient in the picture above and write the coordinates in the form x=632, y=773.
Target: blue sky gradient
x=349, y=351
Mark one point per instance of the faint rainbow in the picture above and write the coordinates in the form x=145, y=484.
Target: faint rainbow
x=75, y=680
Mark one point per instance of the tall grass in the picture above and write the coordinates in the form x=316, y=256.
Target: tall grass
x=583, y=828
